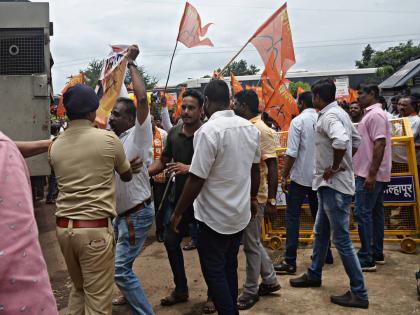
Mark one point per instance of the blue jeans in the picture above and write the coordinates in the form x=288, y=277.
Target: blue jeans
x=125, y=254
x=334, y=214
x=370, y=218
x=219, y=263
x=295, y=199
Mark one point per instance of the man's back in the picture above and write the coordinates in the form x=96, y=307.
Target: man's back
x=301, y=146
x=84, y=159
x=225, y=149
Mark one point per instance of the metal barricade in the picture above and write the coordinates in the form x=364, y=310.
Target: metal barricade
x=401, y=198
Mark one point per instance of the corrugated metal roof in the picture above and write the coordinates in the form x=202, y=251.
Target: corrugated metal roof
x=400, y=77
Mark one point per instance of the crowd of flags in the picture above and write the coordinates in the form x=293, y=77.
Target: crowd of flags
x=272, y=40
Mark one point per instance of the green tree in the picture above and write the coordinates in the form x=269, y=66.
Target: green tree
x=366, y=57
x=93, y=71
x=389, y=60
x=240, y=68
x=293, y=86
x=149, y=80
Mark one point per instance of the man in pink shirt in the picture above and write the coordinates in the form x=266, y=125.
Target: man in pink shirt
x=24, y=282
x=372, y=168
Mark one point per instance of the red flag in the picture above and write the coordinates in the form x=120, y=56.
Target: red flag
x=179, y=104
x=236, y=86
x=80, y=78
x=279, y=103
x=273, y=41
x=190, y=29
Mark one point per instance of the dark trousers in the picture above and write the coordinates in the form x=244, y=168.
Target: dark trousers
x=295, y=199
x=172, y=243
x=158, y=191
x=219, y=263
x=52, y=187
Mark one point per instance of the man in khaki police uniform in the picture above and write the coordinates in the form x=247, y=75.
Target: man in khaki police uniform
x=84, y=159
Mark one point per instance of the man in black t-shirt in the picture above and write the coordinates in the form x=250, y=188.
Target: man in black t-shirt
x=176, y=157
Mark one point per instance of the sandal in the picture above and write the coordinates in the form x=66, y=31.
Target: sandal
x=120, y=300
x=190, y=246
x=245, y=302
x=209, y=307
x=266, y=289
x=174, y=298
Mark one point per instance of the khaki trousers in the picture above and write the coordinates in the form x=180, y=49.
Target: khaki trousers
x=89, y=254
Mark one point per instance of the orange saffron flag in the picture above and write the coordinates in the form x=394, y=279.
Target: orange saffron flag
x=353, y=95
x=236, y=86
x=190, y=29
x=279, y=102
x=300, y=90
x=171, y=99
x=80, y=78
x=273, y=40
x=179, y=103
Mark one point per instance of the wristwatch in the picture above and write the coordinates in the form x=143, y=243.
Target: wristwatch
x=272, y=201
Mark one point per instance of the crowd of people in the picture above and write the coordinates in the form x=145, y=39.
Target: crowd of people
x=214, y=179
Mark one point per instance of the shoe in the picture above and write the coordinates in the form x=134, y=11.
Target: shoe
x=174, y=298
x=379, y=259
x=266, y=289
x=349, y=300
x=418, y=284
x=120, y=300
x=305, y=282
x=190, y=246
x=285, y=268
x=368, y=266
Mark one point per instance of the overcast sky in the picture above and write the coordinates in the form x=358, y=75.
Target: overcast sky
x=327, y=34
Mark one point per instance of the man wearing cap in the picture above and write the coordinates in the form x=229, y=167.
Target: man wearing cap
x=84, y=159
x=135, y=212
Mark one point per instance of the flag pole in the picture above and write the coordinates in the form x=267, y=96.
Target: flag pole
x=170, y=65
x=234, y=57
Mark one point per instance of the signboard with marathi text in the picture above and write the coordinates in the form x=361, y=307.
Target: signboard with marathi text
x=400, y=189
x=342, y=87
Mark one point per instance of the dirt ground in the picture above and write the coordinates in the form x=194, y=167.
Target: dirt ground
x=392, y=289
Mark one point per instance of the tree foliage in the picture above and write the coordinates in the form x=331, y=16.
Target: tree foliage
x=93, y=71
x=240, y=68
x=389, y=60
x=293, y=86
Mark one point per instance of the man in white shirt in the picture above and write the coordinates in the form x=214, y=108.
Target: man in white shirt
x=335, y=140
x=299, y=163
x=135, y=211
x=224, y=181
x=407, y=106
